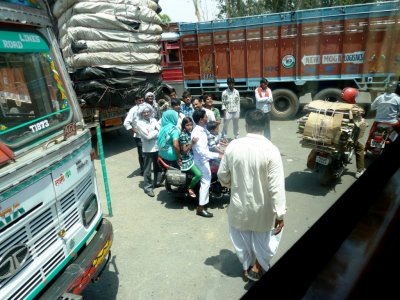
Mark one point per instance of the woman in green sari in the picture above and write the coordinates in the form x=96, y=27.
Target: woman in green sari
x=168, y=139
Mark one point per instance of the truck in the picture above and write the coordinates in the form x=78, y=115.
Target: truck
x=112, y=54
x=54, y=239
x=317, y=51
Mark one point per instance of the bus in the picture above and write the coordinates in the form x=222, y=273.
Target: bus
x=54, y=239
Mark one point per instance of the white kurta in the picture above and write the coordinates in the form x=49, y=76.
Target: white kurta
x=252, y=168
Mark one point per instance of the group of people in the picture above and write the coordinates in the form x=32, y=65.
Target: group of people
x=177, y=132
x=184, y=133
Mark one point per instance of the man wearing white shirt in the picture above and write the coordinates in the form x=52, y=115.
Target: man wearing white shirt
x=202, y=155
x=148, y=129
x=252, y=168
x=130, y=123
x=198, y=104
x=264, y=102
x=231, y=108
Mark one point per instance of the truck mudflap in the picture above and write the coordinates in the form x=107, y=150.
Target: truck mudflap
x=86, y=268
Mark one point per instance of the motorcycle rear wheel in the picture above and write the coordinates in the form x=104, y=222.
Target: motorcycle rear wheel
x=167, y=186
x=326, y=176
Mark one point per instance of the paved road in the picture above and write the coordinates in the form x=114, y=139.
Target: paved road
x=162, y=250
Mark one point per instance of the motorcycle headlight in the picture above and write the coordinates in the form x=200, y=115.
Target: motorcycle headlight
x=90, y=210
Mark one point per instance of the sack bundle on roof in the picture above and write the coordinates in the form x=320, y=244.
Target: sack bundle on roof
x=119, y=38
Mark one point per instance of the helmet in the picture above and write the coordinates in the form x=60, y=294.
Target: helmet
x=349, y=95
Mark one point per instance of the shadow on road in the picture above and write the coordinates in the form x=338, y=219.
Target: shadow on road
x=307, y=182
x=172, y=201
x=228, y=264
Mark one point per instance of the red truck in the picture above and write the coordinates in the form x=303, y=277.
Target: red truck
x=318, y=51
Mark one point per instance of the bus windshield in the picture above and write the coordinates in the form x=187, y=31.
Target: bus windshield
x=33, y=101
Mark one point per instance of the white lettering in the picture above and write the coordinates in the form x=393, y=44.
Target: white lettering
x=39, y=126
x=29, y=38
x=311, y=60
x=355, y=58
x=12, y=44
x=332, y=59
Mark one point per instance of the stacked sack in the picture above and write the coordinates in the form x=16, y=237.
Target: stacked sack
x=111, y=48
x=330, y=126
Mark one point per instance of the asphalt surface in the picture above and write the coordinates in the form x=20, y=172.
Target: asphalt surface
x=162, y=250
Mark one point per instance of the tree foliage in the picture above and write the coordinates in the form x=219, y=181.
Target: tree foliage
x=241, y=8
x=165, y=18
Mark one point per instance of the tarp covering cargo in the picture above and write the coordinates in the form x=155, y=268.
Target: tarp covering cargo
x=81, y=46
x=105, y=21
x=127, y=10
x=60, y=6
x=329, y=125
x=111, y=48
x=89, y=34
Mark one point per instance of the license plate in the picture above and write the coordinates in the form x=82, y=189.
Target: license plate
x=377, y=145
x=322, y=160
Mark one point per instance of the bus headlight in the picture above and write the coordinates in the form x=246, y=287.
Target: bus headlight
x=90, y=210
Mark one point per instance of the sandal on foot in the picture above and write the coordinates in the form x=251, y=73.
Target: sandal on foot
x=191, y=193
x=246, y=273
x=254, y=276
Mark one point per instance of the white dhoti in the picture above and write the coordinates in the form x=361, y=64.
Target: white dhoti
x=250, y=245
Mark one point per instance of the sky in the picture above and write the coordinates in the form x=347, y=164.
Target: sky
x=183, y=10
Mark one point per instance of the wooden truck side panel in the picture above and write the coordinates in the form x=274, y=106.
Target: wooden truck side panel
x=325, y=44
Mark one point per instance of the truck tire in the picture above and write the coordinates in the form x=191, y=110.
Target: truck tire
x=329, y=94
x=286, y=104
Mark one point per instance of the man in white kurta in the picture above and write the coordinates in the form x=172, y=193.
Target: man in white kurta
x=252, y=168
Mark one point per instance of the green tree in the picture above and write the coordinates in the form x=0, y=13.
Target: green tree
x=165, y=18
x=241, y=8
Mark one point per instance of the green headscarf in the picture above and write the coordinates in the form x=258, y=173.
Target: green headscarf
x=169, y=121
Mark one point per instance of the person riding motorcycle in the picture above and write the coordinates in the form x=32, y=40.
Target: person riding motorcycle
x=349, y=95
x=387, y=108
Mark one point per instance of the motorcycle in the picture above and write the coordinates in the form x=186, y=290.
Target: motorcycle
x=176, y=181
x=381, y=135
x=330, y=163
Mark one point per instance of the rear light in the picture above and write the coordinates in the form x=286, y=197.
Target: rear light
x=6, y=154
x=378, y=138
x=323, y=154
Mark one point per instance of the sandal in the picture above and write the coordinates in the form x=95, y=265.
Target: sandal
x=191, y=193
x=246, y=274
x=254, y=276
